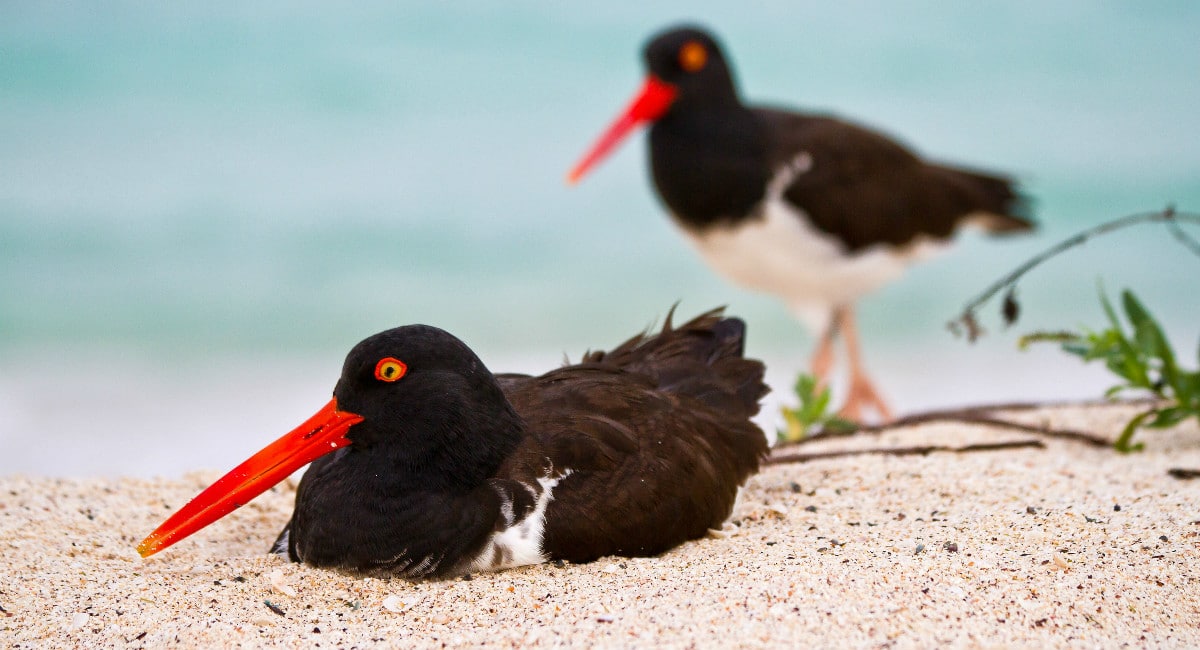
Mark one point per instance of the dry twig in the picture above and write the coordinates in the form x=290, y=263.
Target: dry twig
x=918, y=450
x=985, y=415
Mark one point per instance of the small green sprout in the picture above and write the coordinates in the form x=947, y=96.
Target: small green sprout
x=812, y=415
x=1144, y=361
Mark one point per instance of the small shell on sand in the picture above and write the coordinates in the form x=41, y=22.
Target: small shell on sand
x=279, y=583
x=398, y=605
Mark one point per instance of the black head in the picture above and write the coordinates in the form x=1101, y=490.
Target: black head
x=690, y=59
x=429, y=405
x=414, y=410
x=688, y=82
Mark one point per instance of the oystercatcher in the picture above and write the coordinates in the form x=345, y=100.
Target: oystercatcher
x=425, y=465
x=813, y=209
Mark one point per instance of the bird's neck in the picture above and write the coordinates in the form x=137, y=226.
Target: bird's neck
x=449, y=435
x=709, y=164
x=474, y=445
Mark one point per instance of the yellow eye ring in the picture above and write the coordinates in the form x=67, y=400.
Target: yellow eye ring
x=692, y=56
x=390, y=369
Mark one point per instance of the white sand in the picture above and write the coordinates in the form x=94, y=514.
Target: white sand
x=848, y=552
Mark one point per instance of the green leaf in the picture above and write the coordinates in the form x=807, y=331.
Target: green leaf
x=1188, y=389
x=837, y=424
x=1109, y=312
x=794, y=429
x=1150, y=339
x=1122, y=443
x=1064, y=338
x=816, y=408
x=1123, y=359
x=1143, y=359
x=811, y=415
x=1169, y=417
x=1079, y=349
x=1114, y=391
x=1138, y=316
x=1113, y=321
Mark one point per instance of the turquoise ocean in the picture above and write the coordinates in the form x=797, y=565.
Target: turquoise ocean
x=204, y=206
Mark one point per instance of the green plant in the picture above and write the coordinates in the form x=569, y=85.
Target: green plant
x=1144, y=361
x=812, y=415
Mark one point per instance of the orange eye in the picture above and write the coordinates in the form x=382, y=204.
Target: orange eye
x=692, y=56
x=390, y=369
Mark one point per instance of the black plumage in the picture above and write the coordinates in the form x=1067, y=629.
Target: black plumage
x=814, y=209
x=648, y=444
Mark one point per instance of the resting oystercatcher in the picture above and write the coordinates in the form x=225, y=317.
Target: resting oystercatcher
x=813, y=209
x=425, y=465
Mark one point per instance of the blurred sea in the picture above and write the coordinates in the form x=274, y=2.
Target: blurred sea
x=204, y=206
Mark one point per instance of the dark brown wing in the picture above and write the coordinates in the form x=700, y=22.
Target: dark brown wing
x=701, y=358
x=655, y=453
x=866, y=189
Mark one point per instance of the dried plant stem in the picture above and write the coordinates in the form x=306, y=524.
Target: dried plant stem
x=985, y=415
x=919, y=450
x=967, y=321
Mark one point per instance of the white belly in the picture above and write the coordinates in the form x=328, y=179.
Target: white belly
x=781, y=254
x=520, y=543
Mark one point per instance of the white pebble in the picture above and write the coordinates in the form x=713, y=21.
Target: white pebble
x=397, y=605
x=279, y=583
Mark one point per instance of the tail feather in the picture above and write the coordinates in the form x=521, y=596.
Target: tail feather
x=703, y=359
x=987, y=200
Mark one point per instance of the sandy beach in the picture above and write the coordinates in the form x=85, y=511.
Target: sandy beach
x=1063, y=546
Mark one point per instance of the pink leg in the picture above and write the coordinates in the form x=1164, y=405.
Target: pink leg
x=822, y=359
x=863, y=396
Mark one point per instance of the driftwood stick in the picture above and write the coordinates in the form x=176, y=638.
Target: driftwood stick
x=919, y=450
x=982, y=415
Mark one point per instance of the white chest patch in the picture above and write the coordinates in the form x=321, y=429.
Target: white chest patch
x=520, y=543
x=781, y=254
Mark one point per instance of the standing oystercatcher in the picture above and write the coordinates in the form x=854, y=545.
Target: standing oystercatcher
x=810, y=208
x=426, y=465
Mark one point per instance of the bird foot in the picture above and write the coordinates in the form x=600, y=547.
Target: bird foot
x=862, y=400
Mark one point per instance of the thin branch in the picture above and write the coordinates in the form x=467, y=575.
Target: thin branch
x=967, y=321
x=1183, y=237
x=984, y=415
x=920, y=450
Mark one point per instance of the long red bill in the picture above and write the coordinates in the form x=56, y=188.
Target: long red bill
x=319, y=435
x=651, y=102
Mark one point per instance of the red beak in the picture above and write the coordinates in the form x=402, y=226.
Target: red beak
x=319, y=435
x=651, y=102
